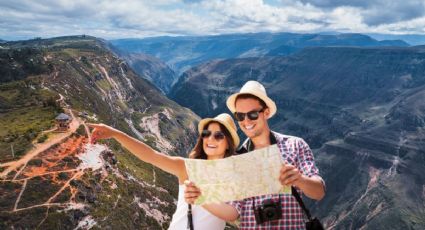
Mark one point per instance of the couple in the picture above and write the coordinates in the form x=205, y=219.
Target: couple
x=218, y=139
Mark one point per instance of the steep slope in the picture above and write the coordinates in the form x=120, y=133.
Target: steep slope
x=361, y=109
x=152, y=69
x=72, y=184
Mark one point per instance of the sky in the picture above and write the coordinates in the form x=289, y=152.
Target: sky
x=111, y=19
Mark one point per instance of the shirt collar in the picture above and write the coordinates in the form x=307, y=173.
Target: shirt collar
x=249, y=146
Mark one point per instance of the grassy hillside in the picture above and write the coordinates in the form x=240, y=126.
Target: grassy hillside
x=25, y=111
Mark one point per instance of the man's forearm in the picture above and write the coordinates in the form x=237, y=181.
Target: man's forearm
x=312, y=187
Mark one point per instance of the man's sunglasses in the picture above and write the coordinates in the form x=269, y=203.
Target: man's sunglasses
x=218, y=135
x=252, y=115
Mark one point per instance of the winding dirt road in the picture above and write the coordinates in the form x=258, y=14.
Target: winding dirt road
x=38, y=148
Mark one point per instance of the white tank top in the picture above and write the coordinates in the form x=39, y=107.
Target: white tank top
x=202, y=219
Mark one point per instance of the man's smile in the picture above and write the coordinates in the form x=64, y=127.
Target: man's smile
x=249, y=127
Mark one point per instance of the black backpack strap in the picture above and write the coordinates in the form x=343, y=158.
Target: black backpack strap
x=300, y=202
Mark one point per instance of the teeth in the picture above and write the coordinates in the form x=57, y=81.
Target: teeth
x=211, y=146
x=249, y=127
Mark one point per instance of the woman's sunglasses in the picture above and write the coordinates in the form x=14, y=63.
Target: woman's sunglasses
x=218, y=135
x=252, y=115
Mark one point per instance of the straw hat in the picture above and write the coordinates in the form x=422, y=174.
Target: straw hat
x=256, y=89
x=224, y=119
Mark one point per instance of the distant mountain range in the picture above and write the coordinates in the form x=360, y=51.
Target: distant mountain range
x=412, y=39
x=361, y=109
x=182, y=53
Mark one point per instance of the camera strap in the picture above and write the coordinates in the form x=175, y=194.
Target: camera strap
x=253, y=202
x=312, y=223
x=189, y=217
x=300, y=202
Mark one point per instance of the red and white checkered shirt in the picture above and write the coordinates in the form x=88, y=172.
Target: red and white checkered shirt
x=295, y=151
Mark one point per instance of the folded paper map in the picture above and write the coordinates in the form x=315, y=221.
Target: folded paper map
x=235, y=178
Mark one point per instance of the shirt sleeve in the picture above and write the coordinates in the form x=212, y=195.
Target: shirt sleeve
x=237, y=205
x=306, y=159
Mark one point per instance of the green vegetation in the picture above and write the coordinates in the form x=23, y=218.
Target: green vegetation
x=35, y=162
x=104, y=84
x=81, y=130
x=151, y=141
x=57, y=219
x=25, y=111
x=25, y=219
x=42, y=138
x=138, y=168
x=37, y=190
x=18, y=64
x=85, y=61
x=8, y=195
x=71, y=52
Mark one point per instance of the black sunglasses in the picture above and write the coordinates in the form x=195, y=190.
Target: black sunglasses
x=218, y=135
x=252, y=115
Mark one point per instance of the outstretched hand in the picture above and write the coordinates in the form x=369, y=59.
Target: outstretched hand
x=101, y=131
x=191, y=192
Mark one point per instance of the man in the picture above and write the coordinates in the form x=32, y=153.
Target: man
x=252, y=108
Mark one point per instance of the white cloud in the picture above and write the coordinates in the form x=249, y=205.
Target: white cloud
x=346, y=19
x=255, y=15
x=139, y=18
x=377, y=12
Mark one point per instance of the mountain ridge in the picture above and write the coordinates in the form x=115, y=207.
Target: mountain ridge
x=182, y=53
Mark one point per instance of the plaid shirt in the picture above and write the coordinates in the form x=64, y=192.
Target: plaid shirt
x=295, y=151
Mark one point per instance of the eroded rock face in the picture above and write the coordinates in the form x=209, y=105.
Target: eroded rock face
x=152, y=69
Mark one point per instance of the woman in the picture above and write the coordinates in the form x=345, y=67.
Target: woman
x=218, y=139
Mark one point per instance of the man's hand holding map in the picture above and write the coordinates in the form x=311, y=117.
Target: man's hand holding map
x=235, y=178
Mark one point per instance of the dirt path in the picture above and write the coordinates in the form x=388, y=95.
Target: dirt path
x=87, y=131
x=20, y=194
x=38, y=148
x=66, y=185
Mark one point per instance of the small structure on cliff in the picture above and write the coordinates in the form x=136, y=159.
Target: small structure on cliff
x=62, y=122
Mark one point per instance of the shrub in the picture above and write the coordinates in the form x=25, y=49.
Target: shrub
x=42, y=139
x=81, y=131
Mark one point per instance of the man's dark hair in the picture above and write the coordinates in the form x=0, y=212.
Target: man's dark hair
x=247, y=96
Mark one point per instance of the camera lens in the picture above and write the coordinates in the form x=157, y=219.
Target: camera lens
x=269, y=212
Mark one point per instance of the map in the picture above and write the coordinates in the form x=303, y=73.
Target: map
x=237, y=177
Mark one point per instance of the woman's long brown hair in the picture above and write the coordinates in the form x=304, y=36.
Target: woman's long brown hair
x=198, y=151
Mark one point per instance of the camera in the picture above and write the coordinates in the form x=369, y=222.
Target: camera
x=268, y=211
